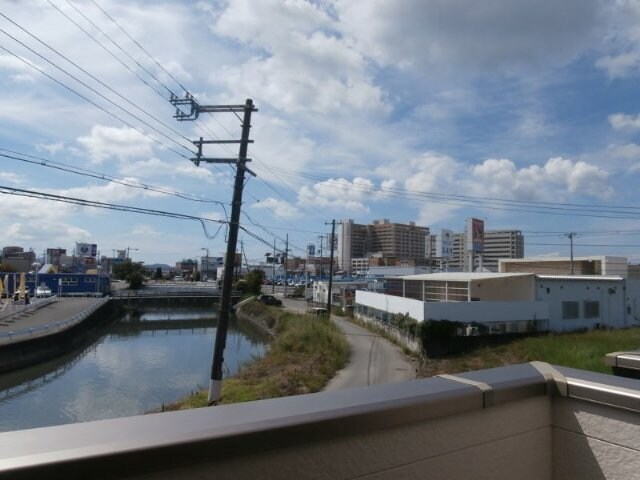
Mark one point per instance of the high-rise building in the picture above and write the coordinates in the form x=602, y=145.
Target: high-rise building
x=402, y=241
x=497, y=244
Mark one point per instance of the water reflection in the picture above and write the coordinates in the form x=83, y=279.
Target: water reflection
x=136, y=364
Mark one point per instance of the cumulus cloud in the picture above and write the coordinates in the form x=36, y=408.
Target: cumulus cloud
x=501, y=177
x=474, y=37
x=620, y=121
x=19, y=68
x=279, y=208
x=110, y=142
x=350, y=196
x=300, y=64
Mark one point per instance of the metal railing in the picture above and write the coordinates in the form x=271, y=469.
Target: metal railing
x=49, y=328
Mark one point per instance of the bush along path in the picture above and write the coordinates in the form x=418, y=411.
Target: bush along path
x=305, y=353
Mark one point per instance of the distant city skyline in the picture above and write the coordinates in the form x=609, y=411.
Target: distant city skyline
x=524, y=115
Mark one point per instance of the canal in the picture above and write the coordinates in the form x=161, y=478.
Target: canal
x=135, y=364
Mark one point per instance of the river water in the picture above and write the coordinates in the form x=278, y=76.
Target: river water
x=135, y=365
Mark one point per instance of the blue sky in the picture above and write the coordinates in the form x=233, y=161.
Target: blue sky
x=368, y=109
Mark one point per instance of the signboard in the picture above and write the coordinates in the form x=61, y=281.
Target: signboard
x=311, y=250
x=474, y=235
x=444, y=243
x=86, y=249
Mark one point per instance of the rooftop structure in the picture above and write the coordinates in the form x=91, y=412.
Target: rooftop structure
x=592, y=265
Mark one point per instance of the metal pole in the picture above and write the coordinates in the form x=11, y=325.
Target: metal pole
x=273, y=279
x=215, y=385
x=571, y=235
x=333, y=231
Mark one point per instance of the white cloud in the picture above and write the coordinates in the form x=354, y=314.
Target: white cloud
x=279, y=208
x=22, y=72
x=51, y=148
x=618, y=66
x=300, y=63
x=620, y=121
x=472, y=37
x=500, y=177
x=11, y=178
x=122, y=143
x=348, y=196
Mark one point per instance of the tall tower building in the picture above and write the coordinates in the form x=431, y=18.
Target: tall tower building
x=392, y=240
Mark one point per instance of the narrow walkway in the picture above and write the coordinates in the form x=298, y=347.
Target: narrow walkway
x=374, y=359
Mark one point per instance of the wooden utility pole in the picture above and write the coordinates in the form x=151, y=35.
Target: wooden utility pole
x=215, y=384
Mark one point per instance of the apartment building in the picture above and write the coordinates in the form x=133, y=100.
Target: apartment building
x=402, y=241
x=498, y=244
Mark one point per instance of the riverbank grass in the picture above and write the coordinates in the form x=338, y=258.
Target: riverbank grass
x=303, y=356
x=585, y=351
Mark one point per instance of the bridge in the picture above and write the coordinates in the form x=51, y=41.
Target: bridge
x=172, y=292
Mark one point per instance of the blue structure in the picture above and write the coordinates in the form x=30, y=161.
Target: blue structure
x=64, y=284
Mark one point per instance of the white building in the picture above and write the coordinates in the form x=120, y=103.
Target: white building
x=512, y=302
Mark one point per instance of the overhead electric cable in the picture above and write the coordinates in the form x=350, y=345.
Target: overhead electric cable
x=91, y=102
x=119, y=47
x=100, y=94
x=94, y=77
x=140, y=46
x=103, y=176
x=109, y=206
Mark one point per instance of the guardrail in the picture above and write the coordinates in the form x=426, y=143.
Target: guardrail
x=34, y=305
x=31, y=332
x=160, y=293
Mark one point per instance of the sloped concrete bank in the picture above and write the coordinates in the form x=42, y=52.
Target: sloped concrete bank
x=27, y=352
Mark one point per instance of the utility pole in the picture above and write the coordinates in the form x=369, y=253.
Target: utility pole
x=333, y=232
x=273, y=277
x=215, y=384
x=286, y=255
x=321, y=257
x=570, y=235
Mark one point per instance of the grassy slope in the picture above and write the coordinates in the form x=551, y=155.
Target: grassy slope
x=585, y=351
x=304, y=355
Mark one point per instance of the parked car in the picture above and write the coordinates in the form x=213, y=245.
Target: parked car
x=270, y=300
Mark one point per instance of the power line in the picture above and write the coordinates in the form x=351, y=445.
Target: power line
x=119, y=47
x=43, y=162
x=561, y=209
x=109, y=206
x=107, y=50
x=139, y=46
x=98, y=93
x=92, y=102
x=93, y=77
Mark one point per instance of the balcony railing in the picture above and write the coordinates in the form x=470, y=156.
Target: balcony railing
x=529, y=421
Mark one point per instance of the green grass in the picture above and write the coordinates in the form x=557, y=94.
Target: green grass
x=304, y=355
x=584, y=351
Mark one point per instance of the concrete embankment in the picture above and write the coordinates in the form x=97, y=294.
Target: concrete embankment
x=39, y=334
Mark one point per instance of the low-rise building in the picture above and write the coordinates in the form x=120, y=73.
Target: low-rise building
x=509, y=302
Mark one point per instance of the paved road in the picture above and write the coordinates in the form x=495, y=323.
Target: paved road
x=374, y=359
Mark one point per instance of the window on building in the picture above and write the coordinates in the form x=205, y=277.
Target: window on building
x=570, y=310
x=69, y=281
x=591, y=309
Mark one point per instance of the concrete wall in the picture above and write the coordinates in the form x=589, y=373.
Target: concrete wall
x=609, y=293
x=504, y=289
x=486, y=311
x=502, y=443
x=594, y=442
x=392, y=304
